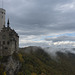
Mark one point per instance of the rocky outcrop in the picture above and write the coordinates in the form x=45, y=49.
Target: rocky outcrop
x=11, y=65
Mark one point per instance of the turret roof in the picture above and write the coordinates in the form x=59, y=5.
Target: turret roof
x=9, y=30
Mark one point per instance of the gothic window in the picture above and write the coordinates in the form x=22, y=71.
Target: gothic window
x=2, y=12
x=3, y=42
x=2, y=16
x=6, y=48
x=0, y=42
x=8, y=43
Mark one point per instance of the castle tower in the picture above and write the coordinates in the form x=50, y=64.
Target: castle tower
x=2, y=18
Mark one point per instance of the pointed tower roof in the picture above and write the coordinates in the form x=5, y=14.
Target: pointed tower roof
x=8, y=23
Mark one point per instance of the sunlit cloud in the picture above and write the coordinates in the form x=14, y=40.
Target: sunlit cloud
x=68, y=7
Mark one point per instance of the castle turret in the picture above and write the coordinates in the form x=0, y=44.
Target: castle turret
x=2, y=18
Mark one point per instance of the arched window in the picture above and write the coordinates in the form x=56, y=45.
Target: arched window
x=3, y=42
x=8, y=43
x=6, y=47
x=0, y=42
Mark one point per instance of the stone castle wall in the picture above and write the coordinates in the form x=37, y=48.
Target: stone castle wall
x=9, y=42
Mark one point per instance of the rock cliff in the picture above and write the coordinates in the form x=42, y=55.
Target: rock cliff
x=10, y=64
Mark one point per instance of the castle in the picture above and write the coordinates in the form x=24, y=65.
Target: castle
x=9, y=39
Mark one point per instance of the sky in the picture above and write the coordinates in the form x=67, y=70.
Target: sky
x=42, y=22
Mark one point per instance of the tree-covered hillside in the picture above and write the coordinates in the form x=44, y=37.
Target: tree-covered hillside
x=37, y=62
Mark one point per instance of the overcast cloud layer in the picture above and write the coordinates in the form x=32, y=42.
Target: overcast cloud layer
x=41, y=20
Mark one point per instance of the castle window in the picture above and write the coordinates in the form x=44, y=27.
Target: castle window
x=2, y=16
x=8, y=43
x=2, y=12
x=0, y=42
x=3, y=42
x=6, y=48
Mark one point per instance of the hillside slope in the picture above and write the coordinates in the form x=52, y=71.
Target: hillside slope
x=38, y=62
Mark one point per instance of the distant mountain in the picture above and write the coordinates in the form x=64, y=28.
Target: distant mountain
x=39, y=61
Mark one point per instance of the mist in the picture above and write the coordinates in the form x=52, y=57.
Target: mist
x=52, y=51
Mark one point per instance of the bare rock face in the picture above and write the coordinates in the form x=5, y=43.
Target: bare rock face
x=11, y=65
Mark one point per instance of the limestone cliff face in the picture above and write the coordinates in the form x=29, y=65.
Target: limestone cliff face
x=11, y=65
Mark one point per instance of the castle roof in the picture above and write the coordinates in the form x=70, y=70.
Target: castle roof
x=10, y=31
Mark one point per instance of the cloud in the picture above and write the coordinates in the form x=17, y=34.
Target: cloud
x=43, y=41
x=41, y=17
x=61, y=38
x=52, y=51
x=66, y=7
x=25, y=43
